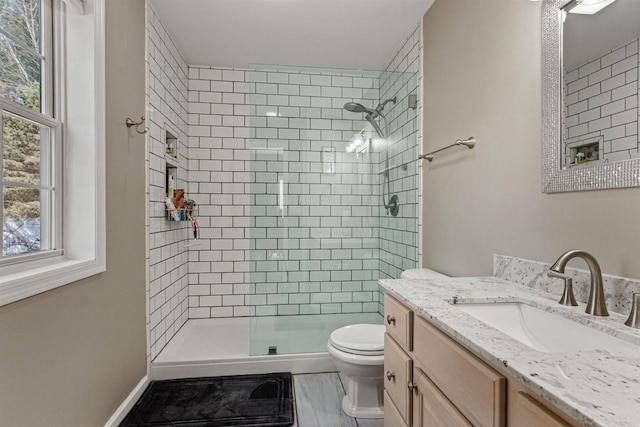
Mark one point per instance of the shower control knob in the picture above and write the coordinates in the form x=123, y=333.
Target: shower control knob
x=391, y=319
x=391, y=376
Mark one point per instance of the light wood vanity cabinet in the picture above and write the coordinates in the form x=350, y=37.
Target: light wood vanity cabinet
x=433, y=381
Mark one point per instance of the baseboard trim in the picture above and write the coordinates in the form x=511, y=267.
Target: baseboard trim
x=128, y=403
x=244, y=365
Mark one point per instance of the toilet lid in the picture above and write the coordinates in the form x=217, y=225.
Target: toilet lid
x=359, y=339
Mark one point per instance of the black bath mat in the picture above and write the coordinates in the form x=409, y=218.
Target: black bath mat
x=239, y=400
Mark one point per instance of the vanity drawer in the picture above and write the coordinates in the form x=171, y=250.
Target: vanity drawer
x=392, y=417
x=398, y=320
x=432, y=408
x=397, y=374
x=533, y=413
x=475, y=389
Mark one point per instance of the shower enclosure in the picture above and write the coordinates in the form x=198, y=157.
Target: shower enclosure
x=306, y=185
x=333, y=200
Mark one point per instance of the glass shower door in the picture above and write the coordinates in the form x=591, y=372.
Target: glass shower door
x=315, y=206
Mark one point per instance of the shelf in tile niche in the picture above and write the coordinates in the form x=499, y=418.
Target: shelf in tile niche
x=171, y=141
x=182, y=214
x=172, y=162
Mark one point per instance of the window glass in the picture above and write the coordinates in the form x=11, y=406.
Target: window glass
x=21, y=20
x=27, y=144
x=20, y=150
x=21, y=228
x=20, y=52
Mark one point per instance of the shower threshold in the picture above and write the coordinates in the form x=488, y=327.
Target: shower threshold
x=236, y=346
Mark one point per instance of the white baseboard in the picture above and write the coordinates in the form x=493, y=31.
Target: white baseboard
x=128, y=403
x=294, y=363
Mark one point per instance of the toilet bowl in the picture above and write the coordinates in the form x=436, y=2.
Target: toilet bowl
x=358, y=353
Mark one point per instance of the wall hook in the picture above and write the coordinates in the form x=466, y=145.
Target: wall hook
x=130, y=123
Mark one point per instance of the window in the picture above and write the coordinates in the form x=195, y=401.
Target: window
x=51, y=108
x=30, y=142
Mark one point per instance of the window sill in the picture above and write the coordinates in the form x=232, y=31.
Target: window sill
x=33, y=281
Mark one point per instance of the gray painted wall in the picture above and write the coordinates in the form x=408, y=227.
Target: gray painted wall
x=70, y=356
x=482, y=77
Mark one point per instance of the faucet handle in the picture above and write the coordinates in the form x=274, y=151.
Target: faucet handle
x=634, y=316
x=567, y=295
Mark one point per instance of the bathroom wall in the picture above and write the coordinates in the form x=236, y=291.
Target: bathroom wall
x=601, y=100
x=70, y=356
x=321, y=256
x=399, y=235
x=482, y=77
x=167, y=255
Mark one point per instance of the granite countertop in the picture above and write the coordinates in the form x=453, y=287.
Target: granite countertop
x=597, y=388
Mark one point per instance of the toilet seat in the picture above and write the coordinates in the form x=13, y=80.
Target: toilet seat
x=360, y=339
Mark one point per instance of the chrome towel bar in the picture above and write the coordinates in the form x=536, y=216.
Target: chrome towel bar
x=469, y=143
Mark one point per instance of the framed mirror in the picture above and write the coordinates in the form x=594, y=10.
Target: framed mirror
x=590, y=62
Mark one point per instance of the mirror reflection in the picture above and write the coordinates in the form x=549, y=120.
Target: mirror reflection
x=600, y=63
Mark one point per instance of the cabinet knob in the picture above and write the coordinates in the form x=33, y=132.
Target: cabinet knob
x=412, y=386
x=391, y=319
x=391, y=376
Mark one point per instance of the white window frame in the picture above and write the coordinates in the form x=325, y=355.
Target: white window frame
x=51, y=159
x=51, y=207
x=82, y=110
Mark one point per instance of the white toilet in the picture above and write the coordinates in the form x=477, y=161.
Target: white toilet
x=358, y=352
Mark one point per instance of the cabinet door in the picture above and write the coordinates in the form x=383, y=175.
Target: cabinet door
x=431, y=407
x=392, y=417
x=532, y=413
x=397, y=375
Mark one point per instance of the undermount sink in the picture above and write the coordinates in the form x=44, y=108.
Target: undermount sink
x=541, y=330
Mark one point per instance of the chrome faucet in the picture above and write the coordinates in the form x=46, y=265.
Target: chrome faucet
x=595, y=303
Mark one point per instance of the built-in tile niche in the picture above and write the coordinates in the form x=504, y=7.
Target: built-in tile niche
x=172, y=164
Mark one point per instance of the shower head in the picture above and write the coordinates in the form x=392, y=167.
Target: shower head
x=354, y=107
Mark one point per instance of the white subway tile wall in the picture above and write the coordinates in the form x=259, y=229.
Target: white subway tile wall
x=256, y=133
x=319, y=253
x=601, y=102
x=167, y=258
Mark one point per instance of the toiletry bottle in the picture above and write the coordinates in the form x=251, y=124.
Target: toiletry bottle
x=170, y=189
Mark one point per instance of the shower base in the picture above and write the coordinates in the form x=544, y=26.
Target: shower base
x=236, y=346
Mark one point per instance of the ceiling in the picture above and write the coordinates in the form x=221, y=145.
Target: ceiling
x=356, y=34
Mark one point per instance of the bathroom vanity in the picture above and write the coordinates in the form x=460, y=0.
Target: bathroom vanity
x=445, y=367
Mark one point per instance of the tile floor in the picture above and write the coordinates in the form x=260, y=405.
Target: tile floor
x=319, y=402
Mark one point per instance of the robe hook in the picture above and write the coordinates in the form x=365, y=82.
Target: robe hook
x=131, y=123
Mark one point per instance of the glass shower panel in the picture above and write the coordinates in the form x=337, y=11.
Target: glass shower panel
x=315, y=203
x=399, y=234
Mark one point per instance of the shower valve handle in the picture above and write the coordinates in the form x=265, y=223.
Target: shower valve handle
x=391, y=319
